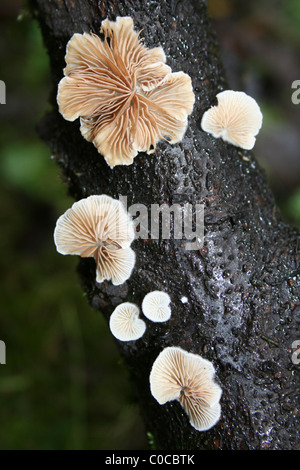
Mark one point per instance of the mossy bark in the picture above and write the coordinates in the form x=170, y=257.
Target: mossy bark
x=242, y=287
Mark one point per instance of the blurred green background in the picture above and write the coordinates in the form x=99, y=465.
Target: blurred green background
x=64, y=385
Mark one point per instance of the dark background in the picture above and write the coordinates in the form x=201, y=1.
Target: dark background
x=64, y=385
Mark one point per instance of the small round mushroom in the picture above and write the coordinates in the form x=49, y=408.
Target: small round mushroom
x=125, y=324
x=237, y=119
x=125, y=95
x=179, y=375
x=155, y=306
x=98, y=227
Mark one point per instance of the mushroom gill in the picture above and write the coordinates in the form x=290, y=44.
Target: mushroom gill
x=98, y=227
x=179, y=375
x=236, y=118
x=124, y=93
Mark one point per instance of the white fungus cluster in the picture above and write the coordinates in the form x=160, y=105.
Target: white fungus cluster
x=127, y=99
x=125, y=323
x=176, y=374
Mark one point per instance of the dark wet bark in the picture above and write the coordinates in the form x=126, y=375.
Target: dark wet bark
x=243, y=308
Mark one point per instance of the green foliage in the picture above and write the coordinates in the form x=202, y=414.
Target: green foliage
x=291, y=208
x=151, y=441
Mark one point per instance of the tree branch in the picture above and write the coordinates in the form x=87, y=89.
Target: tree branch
x=242, y=286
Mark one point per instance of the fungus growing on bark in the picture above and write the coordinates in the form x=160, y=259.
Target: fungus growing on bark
x=237, y=119
x=155, y=306
x=188, y=378
x=98, y=227
x=124, y=94
x=125, y=324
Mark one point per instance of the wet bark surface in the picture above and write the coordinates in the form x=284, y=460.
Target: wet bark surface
x=242, y=287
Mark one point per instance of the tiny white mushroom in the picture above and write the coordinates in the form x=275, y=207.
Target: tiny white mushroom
x=179, y=375
x=155, y=306
x=237, y=119
x=125, y=324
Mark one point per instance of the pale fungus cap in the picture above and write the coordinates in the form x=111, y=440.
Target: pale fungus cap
x=125, y=324
x=98, y=227
x=188, y=378
x=237, y=119
x=155, y=306
x=124, y=94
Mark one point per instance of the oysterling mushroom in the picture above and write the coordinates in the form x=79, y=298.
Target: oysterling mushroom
x=155, y=306
x=124, y=94
x=179, y=375
x=237, y=119
x=98, y=227
x=125, y=324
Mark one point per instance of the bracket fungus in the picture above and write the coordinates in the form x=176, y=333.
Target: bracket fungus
x=179, y=375
x=125, y=95
x=237, y=119
x=155, y=306
x=125, y=324
x=98, y=227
